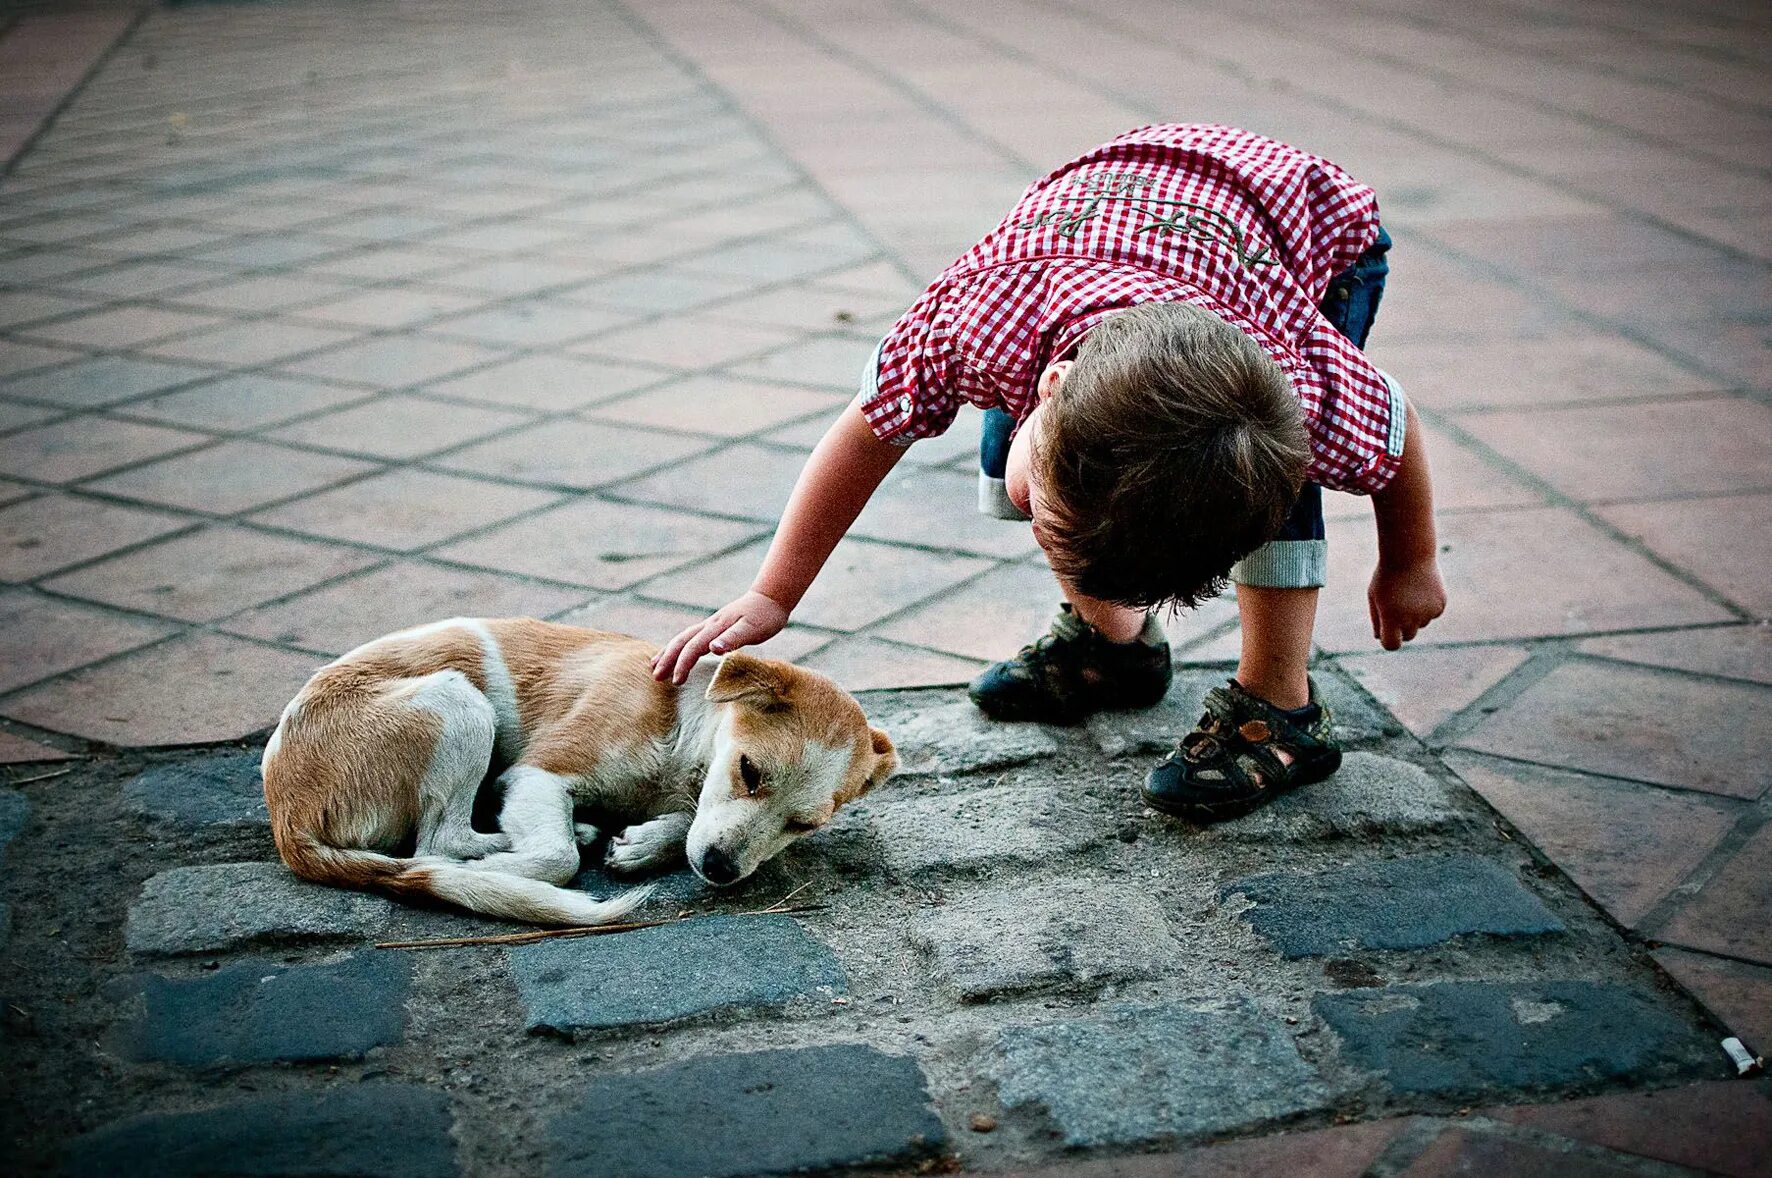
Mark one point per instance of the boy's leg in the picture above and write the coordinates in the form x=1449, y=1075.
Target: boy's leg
x=1277, y=625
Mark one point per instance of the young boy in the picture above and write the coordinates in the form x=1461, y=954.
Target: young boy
x=1166, y=336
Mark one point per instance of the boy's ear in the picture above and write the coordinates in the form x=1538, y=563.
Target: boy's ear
x=744, y=676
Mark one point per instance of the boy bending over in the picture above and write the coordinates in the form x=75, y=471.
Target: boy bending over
x=1166, y=336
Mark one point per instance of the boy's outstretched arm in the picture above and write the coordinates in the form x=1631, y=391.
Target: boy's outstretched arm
x=845, y=468
x=1406, y=592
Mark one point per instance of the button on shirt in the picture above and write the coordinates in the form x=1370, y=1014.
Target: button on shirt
x=1241, y=225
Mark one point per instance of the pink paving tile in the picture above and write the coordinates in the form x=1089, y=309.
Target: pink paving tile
x=404, y=509
x=16, y=358
x=41, y=636
x=80, y=447
x=600, y=544
x=986, y=619
x=1738, y=994
x=1723, y=542
x=388, y=307
x=249, y=401
x=103, y=380
x=1623, y=451
x=195, y=689
x=121, y=328
x=532, y=323
x=232, y=476
x=1625, y=845
x=549, y=384
x=574, y=454
x=1508, y=576
x=209, y=574
x=868, y=664
x=831, y=361
x=1729, y=916
x=1718, y=1128
x=657, y=624
x=344, y=614
x=259, y=342
x=1468, y=1152
x=1446, y=375
x=1734, y=652
x=389, y=264
x=1427, y=687
x=395, y=361
x=1463, y=481
x=398, y=426
x=713, y=405
x=12, y=493
x=264, y=292
x=1346, y=1151
x=939, y=509
x=54, y=531
x=1633, y=722
x=752, y=481
x=686, y=342
x=808, y=308
x=517, y=276
x=17, y=750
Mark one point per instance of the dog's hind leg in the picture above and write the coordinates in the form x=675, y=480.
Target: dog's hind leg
x=537, y=816
x=459, y=762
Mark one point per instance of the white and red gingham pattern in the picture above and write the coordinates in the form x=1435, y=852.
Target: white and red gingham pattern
x=1241, y=225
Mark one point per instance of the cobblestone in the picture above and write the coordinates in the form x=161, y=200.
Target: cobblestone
x=1463, y=1039
x=221, y=790
x=953, y=738
x=258, y=1011
x=1391, y=904
x=227, y=905
x=769, y=1112
x=1059, y=934
x=1141, y=1075
x=675, y=972
x=1369, y=795
x=959, y=832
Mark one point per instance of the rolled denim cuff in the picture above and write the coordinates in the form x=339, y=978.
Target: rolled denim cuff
x=993, y=499
x=1284, y=564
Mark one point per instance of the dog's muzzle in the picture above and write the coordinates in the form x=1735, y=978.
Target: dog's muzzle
x=717, y=867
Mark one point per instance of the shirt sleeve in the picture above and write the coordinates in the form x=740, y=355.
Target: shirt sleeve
x=907, y=391
x=1357, y=435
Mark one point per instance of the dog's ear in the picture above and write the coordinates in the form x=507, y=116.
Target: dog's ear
x=747, y=677
x=885, y=758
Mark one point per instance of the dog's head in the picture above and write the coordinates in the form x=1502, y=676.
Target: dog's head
x=791, y=747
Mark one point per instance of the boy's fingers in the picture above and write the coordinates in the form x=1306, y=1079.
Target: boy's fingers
x=1372, y=612
x=664, y=663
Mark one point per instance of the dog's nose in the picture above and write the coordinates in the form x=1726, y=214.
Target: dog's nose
x=717, y=866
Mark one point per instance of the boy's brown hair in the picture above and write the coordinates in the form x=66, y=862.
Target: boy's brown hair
x=1174, y=448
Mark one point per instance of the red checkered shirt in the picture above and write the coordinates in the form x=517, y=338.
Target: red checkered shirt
x=1241, y=225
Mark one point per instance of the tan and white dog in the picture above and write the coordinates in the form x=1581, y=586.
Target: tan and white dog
x=372, y=771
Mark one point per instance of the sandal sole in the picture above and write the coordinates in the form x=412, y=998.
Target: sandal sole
x=1210, y=812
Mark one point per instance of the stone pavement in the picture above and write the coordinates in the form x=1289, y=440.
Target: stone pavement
x=317, y=320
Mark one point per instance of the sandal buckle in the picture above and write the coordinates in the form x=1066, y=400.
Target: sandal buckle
x=1255, y=731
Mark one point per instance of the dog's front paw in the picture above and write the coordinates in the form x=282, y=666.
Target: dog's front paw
x=584, y=834
x=646, y=847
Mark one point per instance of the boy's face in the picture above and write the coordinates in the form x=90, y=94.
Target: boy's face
x=1018, y=477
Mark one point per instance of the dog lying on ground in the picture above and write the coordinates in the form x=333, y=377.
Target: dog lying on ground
x=372, y=772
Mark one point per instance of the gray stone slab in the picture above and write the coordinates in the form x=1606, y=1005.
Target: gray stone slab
x=15, y=811
x=961, y=831
x=1370, y=795
x=770, y=1112
x=948, y=739
x=1154, y=731
x=262, y=1011
x=223, y=789
x=386, y=1130
x=1148, y=1074
x=1391, y=904
x=1051, y=935
x=223, y=906
x=673, y=972
x=1462, y=1039
x=1357, y=718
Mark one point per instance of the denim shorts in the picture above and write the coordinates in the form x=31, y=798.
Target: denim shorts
x=1296, y=556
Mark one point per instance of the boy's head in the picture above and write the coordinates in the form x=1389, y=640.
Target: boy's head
x=1169, y=448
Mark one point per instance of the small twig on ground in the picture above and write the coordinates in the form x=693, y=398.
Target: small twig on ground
x=41, y=777
x=780, y=907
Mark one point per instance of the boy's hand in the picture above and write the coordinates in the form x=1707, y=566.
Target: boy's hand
x=1403, y=600
x=751, y=619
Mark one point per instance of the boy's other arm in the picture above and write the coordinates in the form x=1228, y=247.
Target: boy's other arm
x=1406, y=592
x=845, y=468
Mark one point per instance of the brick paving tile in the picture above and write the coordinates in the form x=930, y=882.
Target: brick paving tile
x=752, y=481
x=249, y=401
x=836, y=362
x=388, y=264
x=80, y=447
x=663, y=289
x=658, y=624
x=1463, y=481
x=686, y=341
x=18, y=358
x=1734, y=652
x=1638, y=723
x=599, y=544
x=714, y=405
x=869, y=664
x=389, y=307
x=138, y=280
x=404, y=509
x=987, y=619
x=1346, y=1151
x=1465, y=1151
x=1425, y=688
x=512, y=276
x=17, y=750
x=575, y=454
x=1719, y=1128
x=19, y=307
x=940, y=508
x=1507, y=577
x=209, y=574
x=343, y=614
x=810, y=307
x=263, y=292
x=232, y=476
x=548, y=384
x=1625, y=845
x=400, y=426
x=52, y=532
x=1738, y=994
x=244, y=344
x=1449, y=375
x=394, y=361
x=121, y=327
x=1729, y=915
x=1722, y=542
x=534, y=323
x=11, y=492
x=861, y=583
x=227, y=689
x=1622, y=450
x=40, y=636
x=102, y=380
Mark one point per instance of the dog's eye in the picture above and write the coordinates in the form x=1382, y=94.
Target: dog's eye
x=800, y=826
x=750, y=774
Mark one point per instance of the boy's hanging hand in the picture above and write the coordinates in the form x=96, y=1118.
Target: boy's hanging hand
x=751, y=619
x=1403, y=600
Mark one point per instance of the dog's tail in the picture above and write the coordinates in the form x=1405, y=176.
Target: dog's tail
x=495, y=893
